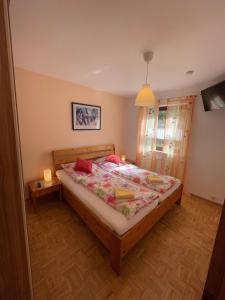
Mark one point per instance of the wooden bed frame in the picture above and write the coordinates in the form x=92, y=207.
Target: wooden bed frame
x=118, y=245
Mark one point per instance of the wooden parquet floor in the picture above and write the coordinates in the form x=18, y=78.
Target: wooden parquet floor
x=68, y=262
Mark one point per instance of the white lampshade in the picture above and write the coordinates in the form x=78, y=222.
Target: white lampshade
x=47, y=175
x=145, y=96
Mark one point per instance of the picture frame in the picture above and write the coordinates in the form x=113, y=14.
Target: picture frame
x=86, y=116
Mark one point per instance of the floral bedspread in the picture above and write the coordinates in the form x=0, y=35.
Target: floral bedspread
x=139, y=176
x=103, y=184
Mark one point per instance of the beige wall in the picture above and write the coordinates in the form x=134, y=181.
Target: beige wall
x=205, y=174
x=44, y=106
x=130, y=129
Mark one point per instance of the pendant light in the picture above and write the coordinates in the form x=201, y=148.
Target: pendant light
x=145, y=97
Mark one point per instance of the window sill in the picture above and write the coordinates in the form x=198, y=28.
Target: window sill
x=158, y=151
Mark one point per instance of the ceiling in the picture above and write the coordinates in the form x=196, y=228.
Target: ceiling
x=99, y=43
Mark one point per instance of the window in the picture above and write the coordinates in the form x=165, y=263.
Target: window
x=161, y=125
x=163, y=133
x=162, y=130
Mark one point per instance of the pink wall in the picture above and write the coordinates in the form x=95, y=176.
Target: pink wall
x=205, y=174
x=44, y=106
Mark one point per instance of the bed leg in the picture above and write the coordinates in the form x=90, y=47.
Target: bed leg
x=116, y=258
x=178, y=201
x=116, y=263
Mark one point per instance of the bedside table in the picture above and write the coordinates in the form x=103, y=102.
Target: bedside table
x=46, y=188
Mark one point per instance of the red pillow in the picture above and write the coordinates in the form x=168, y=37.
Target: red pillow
x=83, y=165
x=113, y=159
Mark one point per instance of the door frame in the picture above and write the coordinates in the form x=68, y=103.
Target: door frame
x=15, y=272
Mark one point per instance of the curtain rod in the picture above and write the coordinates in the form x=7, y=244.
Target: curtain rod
x=173, y=104
x=175, y=98
x=179, y=97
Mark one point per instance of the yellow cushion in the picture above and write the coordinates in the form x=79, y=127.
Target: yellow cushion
x=154, y=179
x=124, y=194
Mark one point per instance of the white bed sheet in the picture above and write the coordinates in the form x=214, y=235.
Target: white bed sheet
x=112, y=218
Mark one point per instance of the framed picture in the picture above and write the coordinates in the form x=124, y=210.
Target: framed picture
x=86, y=117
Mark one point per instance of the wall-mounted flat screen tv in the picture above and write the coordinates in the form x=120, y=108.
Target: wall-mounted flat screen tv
x=214, y=97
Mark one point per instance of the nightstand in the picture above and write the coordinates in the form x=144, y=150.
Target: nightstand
x=46, y=188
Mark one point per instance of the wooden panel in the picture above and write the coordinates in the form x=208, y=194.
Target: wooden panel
x=14, y=262
x=216, y=274
x=221, y=292
x=72, y=154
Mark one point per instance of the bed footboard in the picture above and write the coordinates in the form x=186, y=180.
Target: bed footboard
x=120, y=245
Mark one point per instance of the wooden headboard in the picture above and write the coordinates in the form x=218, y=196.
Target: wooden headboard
x=69, y=155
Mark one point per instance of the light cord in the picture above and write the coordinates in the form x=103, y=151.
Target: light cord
x=147, y=73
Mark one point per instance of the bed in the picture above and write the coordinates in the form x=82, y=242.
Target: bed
x=118, y=234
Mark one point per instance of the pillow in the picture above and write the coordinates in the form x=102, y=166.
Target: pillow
x=83, y=165
x=113, y=159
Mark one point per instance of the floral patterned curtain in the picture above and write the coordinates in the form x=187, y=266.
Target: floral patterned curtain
x=163, y=136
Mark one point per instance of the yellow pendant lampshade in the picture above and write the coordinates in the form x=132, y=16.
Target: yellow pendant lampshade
x=145, y=96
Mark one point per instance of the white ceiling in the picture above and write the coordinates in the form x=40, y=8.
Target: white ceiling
x=99, y=43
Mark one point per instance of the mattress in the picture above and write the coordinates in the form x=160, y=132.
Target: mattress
x=109, y=216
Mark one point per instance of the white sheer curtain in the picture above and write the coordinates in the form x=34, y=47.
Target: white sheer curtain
x=170, y=134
